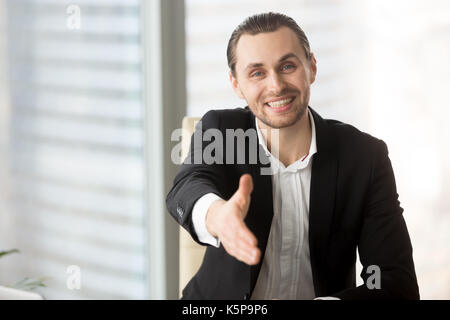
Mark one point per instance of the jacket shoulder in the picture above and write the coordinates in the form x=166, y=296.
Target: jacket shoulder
x=351, y=139
x=227, y=118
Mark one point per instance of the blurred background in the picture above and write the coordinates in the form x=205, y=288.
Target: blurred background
x=90, y=91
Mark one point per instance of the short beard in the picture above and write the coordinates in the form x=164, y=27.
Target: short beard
x=301, y=112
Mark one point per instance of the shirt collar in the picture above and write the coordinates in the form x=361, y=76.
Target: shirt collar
x=300, y=163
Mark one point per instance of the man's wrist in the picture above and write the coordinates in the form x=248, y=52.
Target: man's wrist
x=199, y=211
x=210, y=215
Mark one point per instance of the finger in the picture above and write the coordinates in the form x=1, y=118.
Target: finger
x=244, y=233
x=239, y=232
x=248, y=258
x=238, y=253
x=241, y=250
x=244, y=248
x=250, y=248
x=242, y=195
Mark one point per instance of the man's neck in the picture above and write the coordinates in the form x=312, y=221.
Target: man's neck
x=294, y=141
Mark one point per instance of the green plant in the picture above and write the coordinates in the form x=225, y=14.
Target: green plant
x=4, y=253
x=26, y=283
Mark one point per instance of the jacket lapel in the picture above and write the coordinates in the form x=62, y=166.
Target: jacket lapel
x=262, y=209
x=322, y=200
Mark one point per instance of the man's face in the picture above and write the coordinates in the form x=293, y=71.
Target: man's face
x=274, y=76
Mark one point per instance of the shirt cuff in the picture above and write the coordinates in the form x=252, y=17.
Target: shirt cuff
x=327, y=298
x=199, y=219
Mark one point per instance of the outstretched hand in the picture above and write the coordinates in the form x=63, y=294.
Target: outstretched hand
x=225, y=220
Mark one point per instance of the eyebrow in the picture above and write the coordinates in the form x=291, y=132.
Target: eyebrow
x=283, y=58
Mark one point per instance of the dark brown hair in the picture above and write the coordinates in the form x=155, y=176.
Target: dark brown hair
x=264, y=22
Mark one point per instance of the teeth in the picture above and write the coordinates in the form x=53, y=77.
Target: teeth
x=279, y=103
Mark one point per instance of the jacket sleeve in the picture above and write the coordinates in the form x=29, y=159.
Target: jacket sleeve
x=195, y=177
x=384, y=241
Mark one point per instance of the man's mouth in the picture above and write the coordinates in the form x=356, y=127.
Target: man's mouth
x=280, y=104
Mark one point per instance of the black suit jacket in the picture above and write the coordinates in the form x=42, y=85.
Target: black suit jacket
x=353, y=204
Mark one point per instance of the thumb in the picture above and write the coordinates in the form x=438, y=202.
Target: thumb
x=246, y=185
x=242, y=195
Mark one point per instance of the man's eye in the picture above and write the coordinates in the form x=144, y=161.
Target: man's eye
x=256, y=74
x=288, y=67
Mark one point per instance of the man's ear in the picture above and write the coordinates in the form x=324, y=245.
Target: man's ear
x=313, y=68
x=235, y=85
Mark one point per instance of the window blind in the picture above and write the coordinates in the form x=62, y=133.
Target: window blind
x=74, y=188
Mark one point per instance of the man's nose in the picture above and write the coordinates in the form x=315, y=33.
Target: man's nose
x=276, y=83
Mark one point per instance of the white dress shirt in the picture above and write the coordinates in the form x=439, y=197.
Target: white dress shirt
x=286, y=268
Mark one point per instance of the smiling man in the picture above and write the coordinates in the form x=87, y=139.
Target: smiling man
x=292, y=234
